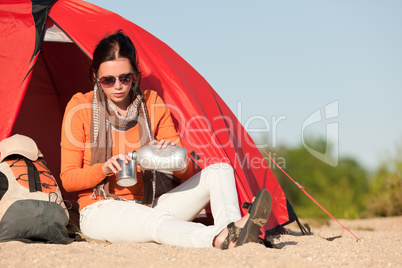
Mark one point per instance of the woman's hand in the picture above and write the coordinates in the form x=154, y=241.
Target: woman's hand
x=112, y=166
x=162, y=144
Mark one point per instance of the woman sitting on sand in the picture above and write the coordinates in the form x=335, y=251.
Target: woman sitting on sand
x=102, y=126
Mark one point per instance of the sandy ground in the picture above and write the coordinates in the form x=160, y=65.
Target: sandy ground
x=380, y=245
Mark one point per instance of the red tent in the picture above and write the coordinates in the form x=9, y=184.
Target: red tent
x=45, y=53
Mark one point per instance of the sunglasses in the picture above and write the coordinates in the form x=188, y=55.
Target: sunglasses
x=109, y=81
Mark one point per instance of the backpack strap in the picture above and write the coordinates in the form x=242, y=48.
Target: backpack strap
x=33, y=176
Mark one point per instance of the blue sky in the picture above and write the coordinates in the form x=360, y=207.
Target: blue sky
x=275, y=63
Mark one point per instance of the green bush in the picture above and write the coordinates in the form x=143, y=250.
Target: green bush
x=386, y=188
x=346, y=191
x=341, y=190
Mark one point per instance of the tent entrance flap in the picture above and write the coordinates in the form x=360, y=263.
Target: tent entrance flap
x=60, y=71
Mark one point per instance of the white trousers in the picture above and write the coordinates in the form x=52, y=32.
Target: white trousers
x=169, y=221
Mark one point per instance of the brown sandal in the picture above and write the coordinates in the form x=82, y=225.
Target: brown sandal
x=233, y=234
x=259, y=212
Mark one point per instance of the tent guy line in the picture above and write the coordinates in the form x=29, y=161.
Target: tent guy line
x=306, y=193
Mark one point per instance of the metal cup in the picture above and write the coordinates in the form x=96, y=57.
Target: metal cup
x=128, y=175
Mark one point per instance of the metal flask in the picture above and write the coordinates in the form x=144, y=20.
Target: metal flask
x=169, y=159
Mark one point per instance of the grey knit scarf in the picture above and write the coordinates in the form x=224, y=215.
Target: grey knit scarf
x=104, y=116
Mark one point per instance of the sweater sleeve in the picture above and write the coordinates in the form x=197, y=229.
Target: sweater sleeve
x=76, y=175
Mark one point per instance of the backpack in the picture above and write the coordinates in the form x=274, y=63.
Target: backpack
x=31, y=204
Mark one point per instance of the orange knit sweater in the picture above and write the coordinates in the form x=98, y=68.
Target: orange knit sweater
x=76, y=172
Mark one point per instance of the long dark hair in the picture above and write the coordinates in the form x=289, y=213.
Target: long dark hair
x=111, y=47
